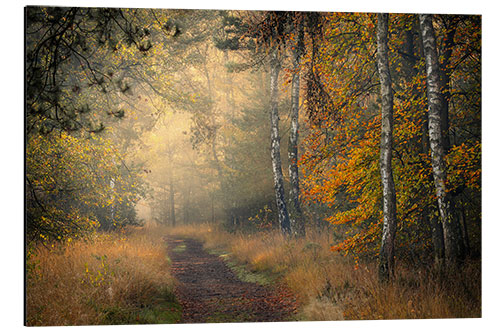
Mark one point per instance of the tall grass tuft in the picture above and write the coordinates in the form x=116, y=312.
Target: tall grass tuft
x=108, y=279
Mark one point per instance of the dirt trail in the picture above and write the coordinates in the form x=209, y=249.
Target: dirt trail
x=209, y=291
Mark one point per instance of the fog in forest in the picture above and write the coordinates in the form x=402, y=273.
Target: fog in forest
x=187, y=116
x=327, y=139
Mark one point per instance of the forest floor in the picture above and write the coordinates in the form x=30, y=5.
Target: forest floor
x=212, y=289
x=226, y=276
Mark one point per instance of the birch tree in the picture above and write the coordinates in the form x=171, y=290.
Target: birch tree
x=453, y=244
x=297, y=218
x=386, y=256
x=283, y=217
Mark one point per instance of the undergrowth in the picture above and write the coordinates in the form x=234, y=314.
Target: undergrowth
x=333, y=287
x=120, y=278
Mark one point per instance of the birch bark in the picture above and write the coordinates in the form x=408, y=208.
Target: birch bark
x=296, y=216
x=453, y=244
x=283, y=217
x=386, y=255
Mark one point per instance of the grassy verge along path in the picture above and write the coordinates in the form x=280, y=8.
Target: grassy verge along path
x=210, y=291
x=329, y=286
x=113, y=278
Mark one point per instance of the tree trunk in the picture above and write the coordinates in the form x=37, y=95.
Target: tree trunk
x=453, y=243
x=296, y=216
x=220, y=174
x=386, y=257
x=437, y=242
x=283, y=218
x=428, y=216
x=229, y=91
x=445, y=79
x=172, y=202
x=187, y=205
x=212, y=207
x=465, y=232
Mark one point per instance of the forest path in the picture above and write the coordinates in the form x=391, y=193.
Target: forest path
x=209, y=291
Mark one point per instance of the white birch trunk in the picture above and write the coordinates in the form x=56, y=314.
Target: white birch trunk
x=283, y=218
x=296, y=216
x=451, y=228
x=386, y=256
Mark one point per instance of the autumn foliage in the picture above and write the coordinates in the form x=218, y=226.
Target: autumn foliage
x=77, y=185
x=191, y=119
x=340, y=162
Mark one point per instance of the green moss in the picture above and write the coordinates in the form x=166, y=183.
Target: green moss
x=242, y=271
x=164, y=313
x=162, y=310
x=179, y=248
x=246, y=275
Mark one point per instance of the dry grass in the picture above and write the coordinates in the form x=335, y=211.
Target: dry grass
x=331, y=287
x=103, y=280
